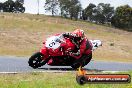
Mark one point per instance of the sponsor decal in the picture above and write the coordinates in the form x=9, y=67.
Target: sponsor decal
x=82, y=78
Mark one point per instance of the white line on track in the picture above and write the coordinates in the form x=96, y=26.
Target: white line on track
x=55, y=72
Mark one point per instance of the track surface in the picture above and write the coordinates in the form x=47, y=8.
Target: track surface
x=19, y=64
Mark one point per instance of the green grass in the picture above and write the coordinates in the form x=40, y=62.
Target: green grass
x=50, y=80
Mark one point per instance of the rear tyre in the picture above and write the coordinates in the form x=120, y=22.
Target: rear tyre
x=36, y=60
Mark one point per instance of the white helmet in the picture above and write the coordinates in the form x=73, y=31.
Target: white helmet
x=95, y=44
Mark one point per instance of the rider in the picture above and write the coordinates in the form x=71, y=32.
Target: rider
x=78, y=38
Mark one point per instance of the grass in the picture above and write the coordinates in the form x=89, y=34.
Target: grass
x=50, y=80
x=23, y=34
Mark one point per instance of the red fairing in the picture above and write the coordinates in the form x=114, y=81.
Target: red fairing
x=44, y=51
x=51, y=52
x=56, y=52
x=66, y=46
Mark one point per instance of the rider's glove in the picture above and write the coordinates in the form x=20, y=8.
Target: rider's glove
x=74, y=54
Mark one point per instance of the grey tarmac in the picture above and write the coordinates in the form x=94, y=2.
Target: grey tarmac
x=20, y=64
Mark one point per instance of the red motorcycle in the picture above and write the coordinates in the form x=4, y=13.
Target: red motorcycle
x=54, y=53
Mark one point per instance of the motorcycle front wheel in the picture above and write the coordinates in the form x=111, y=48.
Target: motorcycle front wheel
x=36, y=60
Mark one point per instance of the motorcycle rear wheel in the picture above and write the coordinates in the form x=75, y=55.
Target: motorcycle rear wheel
x=36, y=60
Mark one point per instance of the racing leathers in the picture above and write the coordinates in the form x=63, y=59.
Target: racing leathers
x=81, y=48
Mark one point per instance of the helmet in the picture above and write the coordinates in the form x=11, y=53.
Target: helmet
x=79, y=34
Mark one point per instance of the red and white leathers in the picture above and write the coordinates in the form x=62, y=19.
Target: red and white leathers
x=85, y=48
x=82, y=47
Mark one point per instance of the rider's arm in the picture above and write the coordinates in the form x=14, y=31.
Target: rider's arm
x=76, y=55
x=80, y=51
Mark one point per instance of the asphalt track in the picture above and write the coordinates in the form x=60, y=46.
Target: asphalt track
x=19, y=64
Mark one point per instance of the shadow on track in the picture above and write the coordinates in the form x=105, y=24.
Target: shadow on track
x=59, y=69
x=68, y=69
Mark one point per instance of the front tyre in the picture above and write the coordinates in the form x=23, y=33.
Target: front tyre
x=36, y=60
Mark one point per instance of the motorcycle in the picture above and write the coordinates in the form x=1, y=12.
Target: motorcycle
x=54, y=53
